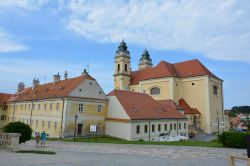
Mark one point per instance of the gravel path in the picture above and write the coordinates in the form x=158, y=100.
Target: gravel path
x=69, y=153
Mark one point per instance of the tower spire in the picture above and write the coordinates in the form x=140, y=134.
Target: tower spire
x=145, y=60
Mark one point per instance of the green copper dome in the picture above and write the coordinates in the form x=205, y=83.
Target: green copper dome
x=122, y=48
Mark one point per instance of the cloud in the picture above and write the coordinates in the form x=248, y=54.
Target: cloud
x=7, y=44
x=219, y=29
x=24, y=4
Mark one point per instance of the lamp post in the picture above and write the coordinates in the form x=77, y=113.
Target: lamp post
x=75, y=127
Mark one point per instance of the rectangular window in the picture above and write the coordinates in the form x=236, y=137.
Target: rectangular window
x=215, y=90
x=159, y=127
x=43, y=122
x=48, y=124
x=29, y=106
x=80, y=109
x=179, y=125
x=25, y=106
x=51, y=106
x=185, y=126
x=36, y=123
x=31, y=122
x=166, y=127
x=57, y=106
x=175, y=126
x=45, y=107
x=38, y=107
x=171, y=126
x=33, y=106
x=153, y=128
x=27, y=121
x=99, y=108
x=146, y=128
x=138, y=129
x=21, y=107
x=55, y=125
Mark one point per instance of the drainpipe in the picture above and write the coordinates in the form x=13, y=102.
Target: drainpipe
x=177, y=126
x=149, y=130
x=31, y=111
x=62, y=119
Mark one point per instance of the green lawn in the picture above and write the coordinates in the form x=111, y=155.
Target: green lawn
x=107, y=139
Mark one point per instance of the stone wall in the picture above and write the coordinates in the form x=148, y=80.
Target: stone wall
x=9, y=140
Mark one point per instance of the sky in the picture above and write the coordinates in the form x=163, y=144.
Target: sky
x=39, y=38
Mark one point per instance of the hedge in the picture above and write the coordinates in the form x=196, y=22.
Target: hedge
x=19, y=127
x=234, y=139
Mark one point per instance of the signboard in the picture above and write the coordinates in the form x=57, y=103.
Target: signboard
x=92, y=128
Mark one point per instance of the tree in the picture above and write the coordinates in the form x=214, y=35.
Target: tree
x=19, y=127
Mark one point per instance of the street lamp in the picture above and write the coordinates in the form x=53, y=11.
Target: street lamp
x=75, y=127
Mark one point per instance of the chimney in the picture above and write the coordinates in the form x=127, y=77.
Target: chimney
x=35, y=83
x=84, y=73
x=20, y=86
x=66, y=75
x=56, y=78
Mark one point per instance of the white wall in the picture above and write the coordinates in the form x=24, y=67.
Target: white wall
x=118, y=129
x=156, y=133
x=115, y=109
x=89, y=89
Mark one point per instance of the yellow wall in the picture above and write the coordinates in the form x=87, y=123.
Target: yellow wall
x=3, y=122
x=163, y=84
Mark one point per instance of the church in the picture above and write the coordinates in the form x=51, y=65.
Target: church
x=189, y=84
x=165, y=99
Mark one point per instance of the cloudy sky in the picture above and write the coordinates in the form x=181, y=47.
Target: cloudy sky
x=39, y=38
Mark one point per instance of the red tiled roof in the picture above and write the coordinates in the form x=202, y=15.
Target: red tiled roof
x=188, y=109
x=184, y=69
x=142, y=106
x=4, y=97
x=61, y=89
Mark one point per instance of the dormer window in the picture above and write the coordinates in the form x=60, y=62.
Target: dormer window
x=215, y=90
x=155, y=91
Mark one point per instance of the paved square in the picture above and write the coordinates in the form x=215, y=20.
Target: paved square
x=71, y=154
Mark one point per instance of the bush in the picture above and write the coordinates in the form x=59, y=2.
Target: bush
x=234, y=139
x=19, y=127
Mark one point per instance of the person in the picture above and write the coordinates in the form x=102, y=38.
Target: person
x=43, y=138
x=38, y=137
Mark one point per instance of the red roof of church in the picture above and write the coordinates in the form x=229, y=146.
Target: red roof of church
x=142, y=106
x=188, y=109
x=50, y=90
x=184, y=69
x=4, y=97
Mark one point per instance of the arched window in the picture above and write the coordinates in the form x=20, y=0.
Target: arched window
x=155, y=91
x=126, y=68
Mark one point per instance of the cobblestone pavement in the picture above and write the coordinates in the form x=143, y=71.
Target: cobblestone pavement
x=69, y=153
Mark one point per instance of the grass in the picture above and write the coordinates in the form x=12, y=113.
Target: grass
x=107, y=139
x=36, y=152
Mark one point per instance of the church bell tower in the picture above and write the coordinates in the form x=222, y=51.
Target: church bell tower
x=122, y=67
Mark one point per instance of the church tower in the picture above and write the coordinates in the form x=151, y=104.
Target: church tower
x=122, y=67
x=145, y=60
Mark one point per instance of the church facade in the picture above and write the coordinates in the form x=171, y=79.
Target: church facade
x=189, y=84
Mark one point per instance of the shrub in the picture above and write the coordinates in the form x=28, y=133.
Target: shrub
x=234, y=139
x=19, y=127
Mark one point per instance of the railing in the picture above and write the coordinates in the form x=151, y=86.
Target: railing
x=9, y=140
